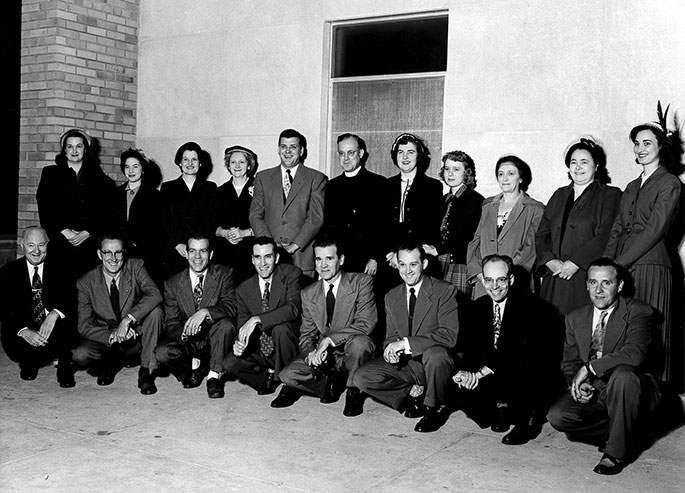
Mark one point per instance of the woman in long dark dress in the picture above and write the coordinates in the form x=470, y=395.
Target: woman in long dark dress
x=575, y=226
x=138, y=213
x=72, y=202
x=460, y=215
x=646, y=211
x=189, y=204
x=234, y=243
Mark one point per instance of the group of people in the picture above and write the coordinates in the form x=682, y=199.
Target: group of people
x=361, y=285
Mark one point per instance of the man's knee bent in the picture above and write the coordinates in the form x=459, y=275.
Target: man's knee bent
x=437, y=355
x=624, y=377
x=359, y=346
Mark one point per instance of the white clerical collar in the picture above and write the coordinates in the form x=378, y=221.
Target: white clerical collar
x=353, y=173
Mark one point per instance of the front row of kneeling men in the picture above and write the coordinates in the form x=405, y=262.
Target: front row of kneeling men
x=496, y=367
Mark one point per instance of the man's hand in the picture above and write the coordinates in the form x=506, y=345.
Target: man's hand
x=181, y=249
x=582, y=377
x=371, y=267
x=48, y=324
x=393, y=351
x=79, y=237
x=194, y=323
x=466, y=379
x=587, y=392
x=318, y=356
x=239, y=348
x=234, y=236
x=554, y=265
x=121, y=332
x=391, y=258
x=430, y=250
x=33, y=337
x=567, y=270
x=247, y=329
x=290, y=248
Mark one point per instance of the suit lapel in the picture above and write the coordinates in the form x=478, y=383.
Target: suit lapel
x=399, y=307
x=297, y=184
x=101, y=292
x=185, y=296
x=344, y=302
x=125, y=288
x=615, y=327
x=276, y=288
x=584, y=332
x=516, y=211
x=209, y=286
x=423, y=304
x=275, y=183
x=318, y=308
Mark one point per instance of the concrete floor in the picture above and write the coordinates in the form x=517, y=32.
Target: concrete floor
x=113, y=439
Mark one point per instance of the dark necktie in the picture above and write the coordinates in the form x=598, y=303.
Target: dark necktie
x=266, y=343
x=37, y=303
x=412, y=305
x=598, y=337
x=287, y=183
x=330, y=305
x=449, y=201
x=497, y=323
x=114, y=298
x=197, y=292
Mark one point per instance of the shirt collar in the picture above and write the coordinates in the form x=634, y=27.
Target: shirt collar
x=293, y=171
x=262, y=283
x=352, y=174
x=417, y=288
x=195, y=278
x=335, y=283
x=109, y=277
x=31, y=270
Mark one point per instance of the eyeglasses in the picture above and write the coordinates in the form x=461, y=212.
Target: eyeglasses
x=499, y=282
x=118, y=255
x=348, y=154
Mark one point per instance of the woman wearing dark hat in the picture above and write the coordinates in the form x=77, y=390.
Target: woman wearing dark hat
x=233, y=247
x=646, y=211
x=138, y=212
x=508, y=224
x=72, y=202
x=575, y=226
x=189, y=204
x=414, y=198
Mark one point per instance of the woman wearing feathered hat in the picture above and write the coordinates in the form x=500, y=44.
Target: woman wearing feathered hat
x=647, y=209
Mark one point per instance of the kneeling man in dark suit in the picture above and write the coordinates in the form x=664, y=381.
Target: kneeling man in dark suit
x=421, y=330
x=608, y=363
x=268, y=317
x=338, y=314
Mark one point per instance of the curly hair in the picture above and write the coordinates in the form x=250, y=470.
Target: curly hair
x=469, y=167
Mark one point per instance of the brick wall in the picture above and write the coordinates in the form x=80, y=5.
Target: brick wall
x=79, y=62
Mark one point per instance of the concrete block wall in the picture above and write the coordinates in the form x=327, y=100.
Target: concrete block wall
x=79, y=64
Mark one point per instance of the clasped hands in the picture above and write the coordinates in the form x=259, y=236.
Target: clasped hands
x=394, y=351
x=123, y=332
x=581, y=389
x=318, y=356
x=39, y=338
x=194, y=323
x=75, y=237
x=564, y=270
x=244, y=334
x=467, y=379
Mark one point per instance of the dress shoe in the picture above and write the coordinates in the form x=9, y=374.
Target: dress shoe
x=517, y=436
x=602, y=447
x=354, y=402
x=608, y=465
x=106, y=377
x=194, y=379
x=501, y=422
x=28, y=372
x=286, y=397
x=268, y=386
x=146, y=382
x=414, y=407
x=65, y=376
x=333, y=389
x=434, y=418
x=215, y=388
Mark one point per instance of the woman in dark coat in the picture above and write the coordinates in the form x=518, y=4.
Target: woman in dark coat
x=647, y=209
x=72, y=202
x=138, y=212
x=189, y=204
x=575, y=226
x=234, y=234
x=460, y=214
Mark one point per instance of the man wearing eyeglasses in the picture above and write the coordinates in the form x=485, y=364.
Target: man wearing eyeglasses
x=507, y=370
x=199, y=319
x=119, y=316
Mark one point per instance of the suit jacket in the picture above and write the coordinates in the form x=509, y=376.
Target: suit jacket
x=462, y=222
x=297, y=219
x=421, y=211
x=627, y=339
x=187, y=211
x=355, y=311
x=436, y=321
x=584, y=239
x=218, y=297
x=284, y=298
x=357, y=215
x=644, y=216
x=138, y=296
x=233, y=211
x=516, y=240
x=16, y=308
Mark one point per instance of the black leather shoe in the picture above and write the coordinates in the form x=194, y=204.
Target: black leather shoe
x=414, y=407
x=28, y=372
x=501, y=422
x=519, y=435
x=333, y=390
x=65, y=376
x=106, y=377
x=194, y=379
x=146, y=382
x=435, y=417
x=354, y=402
x=608, y=465
x=286, y=397
x=215, y=388
x=268, y=385
x=602, y=447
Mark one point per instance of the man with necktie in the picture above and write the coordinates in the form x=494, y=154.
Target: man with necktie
x=512, y=334
x=610, y=359
x=288, y=202
x=199, y=319
x=268, y=317
x=37, y=310
x=338, y=314
x=119, y=316
x=422, y=324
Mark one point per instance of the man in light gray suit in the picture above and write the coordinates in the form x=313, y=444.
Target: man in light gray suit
x=288, y=202
x=338, y=314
